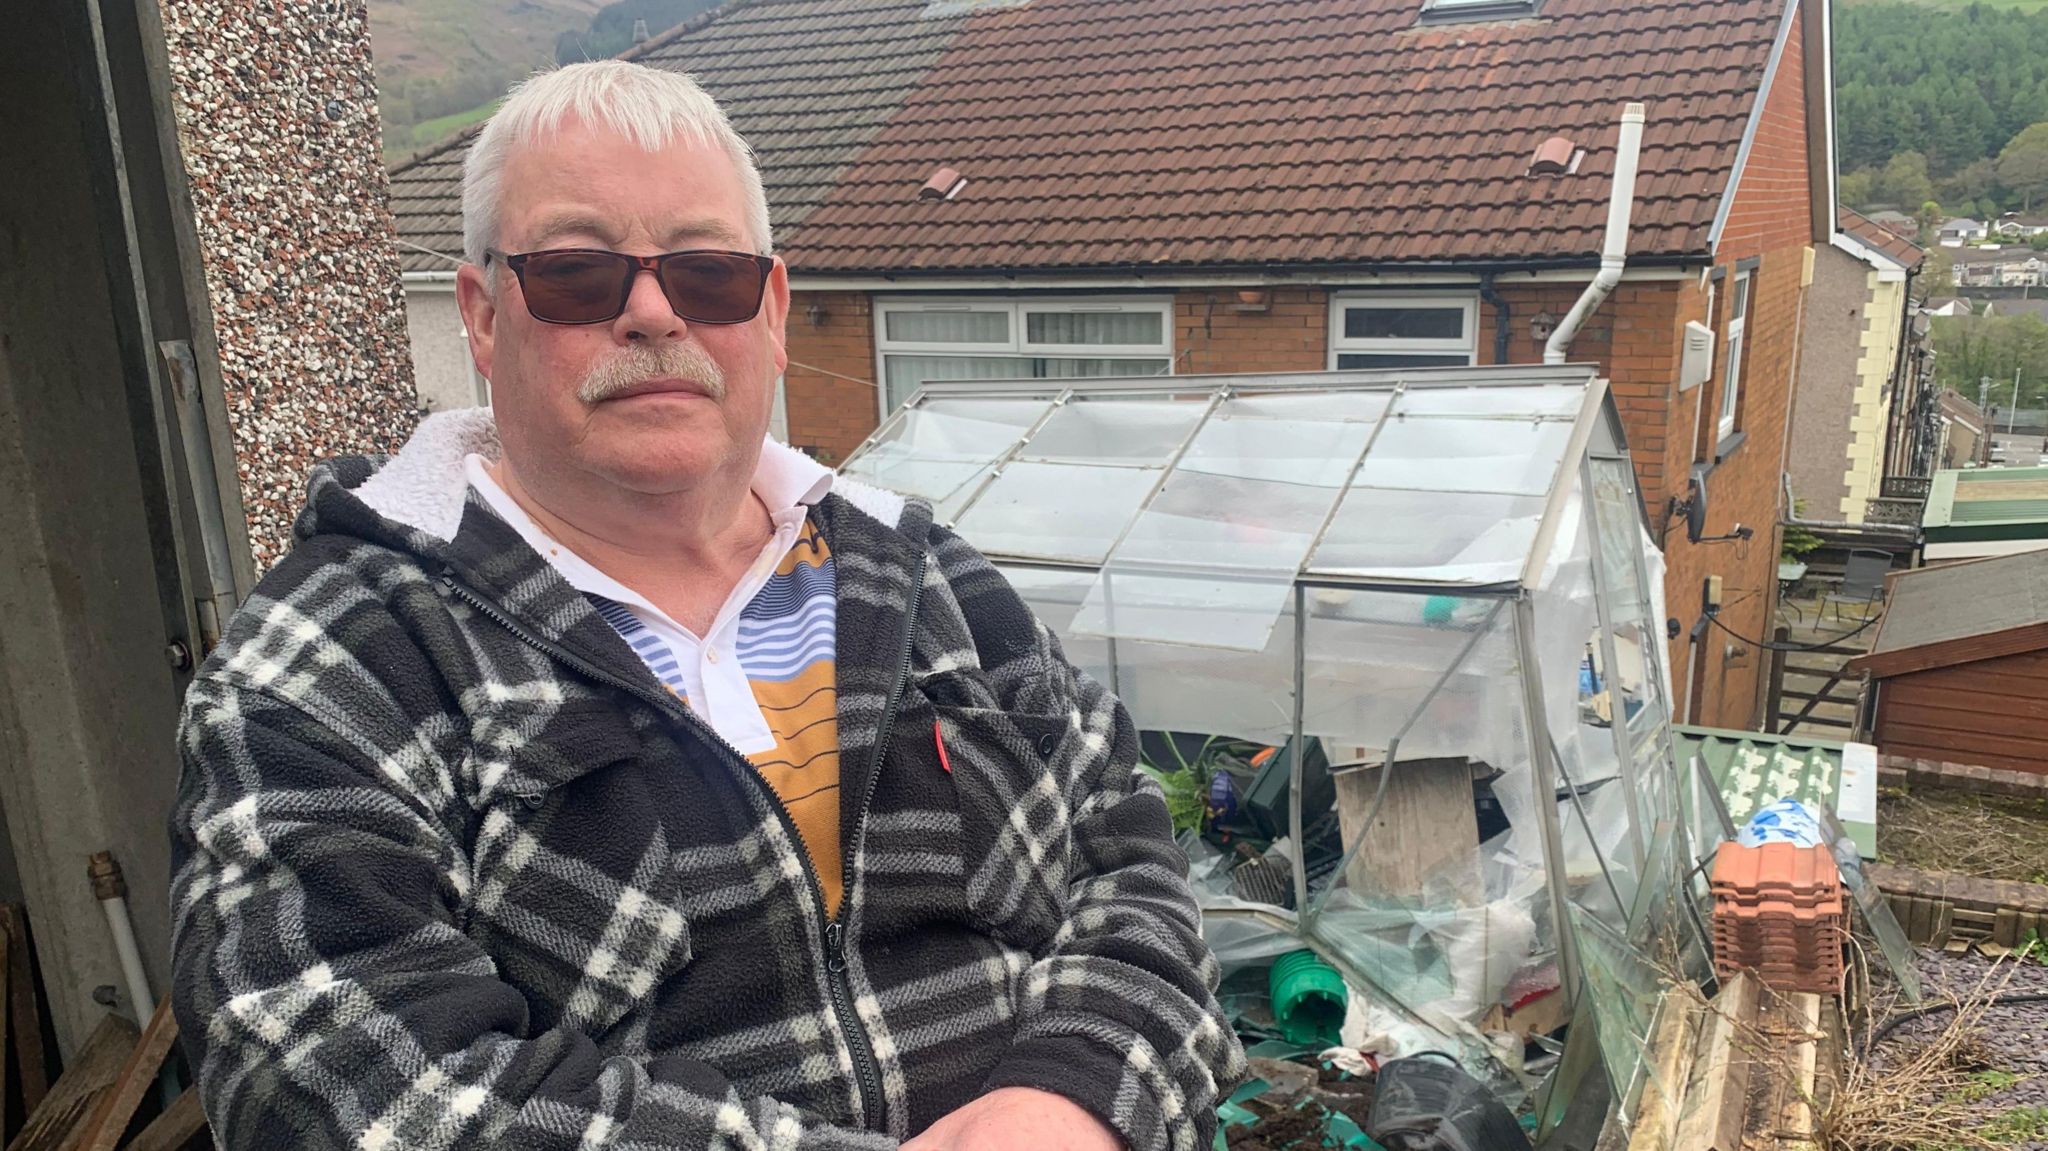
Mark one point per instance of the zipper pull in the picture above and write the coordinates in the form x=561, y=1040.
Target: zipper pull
x=835, y=947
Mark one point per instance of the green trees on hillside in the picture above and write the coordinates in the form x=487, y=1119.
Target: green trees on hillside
x=1928, y=99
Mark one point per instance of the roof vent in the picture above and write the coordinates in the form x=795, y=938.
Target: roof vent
x=1556, y=156
x=944, y=185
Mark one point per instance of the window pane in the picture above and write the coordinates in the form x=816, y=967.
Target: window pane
x=1732, y=390
x=947, y=327
x=1739, y=307
x=1365, y=322
x=1452, y=455
x=1096, y=368
x=1104, y=328
x=1356, y=360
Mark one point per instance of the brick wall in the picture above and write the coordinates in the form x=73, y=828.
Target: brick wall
x=1215, y=332
x=829, y=412
x=1770, y=221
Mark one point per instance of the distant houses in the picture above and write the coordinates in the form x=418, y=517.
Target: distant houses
x=1959, y=231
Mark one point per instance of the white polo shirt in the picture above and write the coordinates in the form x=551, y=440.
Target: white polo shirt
x=707, y=671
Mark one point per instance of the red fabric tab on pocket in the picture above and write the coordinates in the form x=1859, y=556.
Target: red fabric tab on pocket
x=939, y=738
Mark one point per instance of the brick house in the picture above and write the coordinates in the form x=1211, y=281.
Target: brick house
x=1152, y=186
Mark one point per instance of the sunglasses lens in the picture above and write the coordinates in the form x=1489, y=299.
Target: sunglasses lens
x=575, y=287
x=712, y=287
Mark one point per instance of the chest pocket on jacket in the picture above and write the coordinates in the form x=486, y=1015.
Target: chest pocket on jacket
x=1015, y=826
x=576, y=891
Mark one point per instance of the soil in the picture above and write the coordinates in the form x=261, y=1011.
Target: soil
x=1990, y=836
x=1275, y=1132
x=1348, y=1094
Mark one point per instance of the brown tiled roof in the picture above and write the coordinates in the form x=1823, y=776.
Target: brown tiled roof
x=1210, y=133
x=808, y=83
x=1877, y=237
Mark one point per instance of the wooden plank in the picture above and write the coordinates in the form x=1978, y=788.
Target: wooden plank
x=1982, y=677
x=1427, y=828
x=1934, y=691
x=1996, y=725
x=25, y=1011
x=1970, y=649
x=1719, y=1100
x=77, y=1092
x=1960, y=739
x=182, y=1127
x=1797, y=1118
x=117, y=1107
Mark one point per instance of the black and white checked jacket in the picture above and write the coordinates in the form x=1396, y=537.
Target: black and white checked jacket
x=453, y=869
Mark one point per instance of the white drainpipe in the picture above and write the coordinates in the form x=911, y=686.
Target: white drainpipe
x=1614, y=250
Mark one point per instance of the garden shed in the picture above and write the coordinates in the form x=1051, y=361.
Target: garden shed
x=1410, y=621
x=1959, y=668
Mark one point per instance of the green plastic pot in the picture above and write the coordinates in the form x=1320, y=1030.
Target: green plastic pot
x=1309, y=998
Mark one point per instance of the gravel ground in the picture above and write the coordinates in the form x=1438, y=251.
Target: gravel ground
x=2014, y=1039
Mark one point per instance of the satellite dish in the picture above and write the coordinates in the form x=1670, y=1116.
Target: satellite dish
x=1696, y=507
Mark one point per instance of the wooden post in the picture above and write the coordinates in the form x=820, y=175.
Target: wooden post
x=1773, y=707
x=1426, y=829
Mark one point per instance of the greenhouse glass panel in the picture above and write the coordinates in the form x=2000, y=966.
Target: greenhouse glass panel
x=1510, y=403
x=1218, y=548
x=1406, y=707
x=939, y=450
x=1071, y=492
x=1459, y=537
x=1448, y=454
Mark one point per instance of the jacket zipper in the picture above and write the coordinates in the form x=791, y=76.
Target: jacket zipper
x=867, y=1073
x=865, y=1067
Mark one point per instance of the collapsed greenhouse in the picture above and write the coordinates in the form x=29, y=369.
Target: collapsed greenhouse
x=1395, y=641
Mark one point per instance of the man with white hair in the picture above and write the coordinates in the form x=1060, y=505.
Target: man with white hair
x=598, y=773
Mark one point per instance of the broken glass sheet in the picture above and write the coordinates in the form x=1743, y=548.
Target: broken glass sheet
x=942, y=449
x=1072, y=491
x=1211, y=559
x=1462, y=537
x=1448, y=454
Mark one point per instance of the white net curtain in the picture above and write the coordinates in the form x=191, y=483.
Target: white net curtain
x=1430, y=589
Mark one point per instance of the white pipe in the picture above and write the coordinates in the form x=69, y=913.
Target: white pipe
x=112, y=891
x=1614, y=249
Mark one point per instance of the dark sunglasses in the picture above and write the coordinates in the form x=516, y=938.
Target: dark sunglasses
x=591, y=285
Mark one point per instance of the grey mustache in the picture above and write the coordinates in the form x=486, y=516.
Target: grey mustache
x=638, y=365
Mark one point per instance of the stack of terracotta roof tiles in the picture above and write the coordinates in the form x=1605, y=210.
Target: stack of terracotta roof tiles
x=1778, y=912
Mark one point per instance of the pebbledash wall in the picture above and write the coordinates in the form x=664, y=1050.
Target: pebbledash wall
x=277, y=124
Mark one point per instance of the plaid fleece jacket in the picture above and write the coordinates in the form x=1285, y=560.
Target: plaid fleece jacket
x=454, y=870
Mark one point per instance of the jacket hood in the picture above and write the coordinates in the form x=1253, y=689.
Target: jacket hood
x=417, y=499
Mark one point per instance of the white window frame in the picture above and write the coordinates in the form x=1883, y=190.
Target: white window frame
x=1018, y=308
x=1739, y=304
x=1340, y=344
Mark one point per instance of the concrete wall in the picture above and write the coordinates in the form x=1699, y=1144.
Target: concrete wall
x=87, y=698
x=1837, y=314
x=443, y=374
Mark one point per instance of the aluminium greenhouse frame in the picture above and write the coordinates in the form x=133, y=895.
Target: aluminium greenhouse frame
x=1592, y=479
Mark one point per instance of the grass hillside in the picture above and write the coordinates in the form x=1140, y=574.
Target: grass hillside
x=441, y=60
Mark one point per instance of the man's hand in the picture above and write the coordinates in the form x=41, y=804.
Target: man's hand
x=1018, y=1119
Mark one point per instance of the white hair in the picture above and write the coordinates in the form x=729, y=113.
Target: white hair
x=648, y=106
